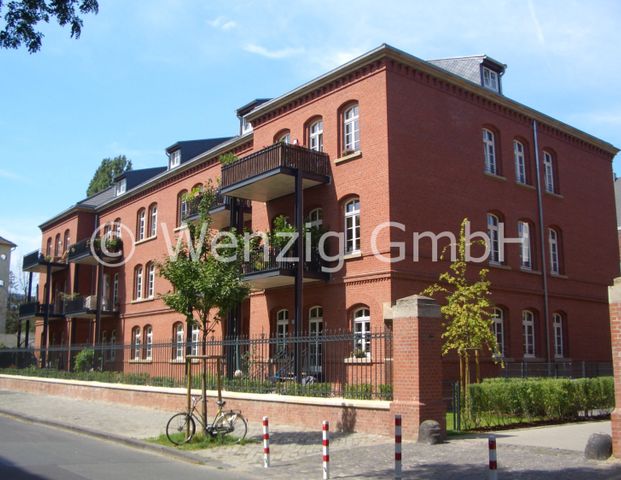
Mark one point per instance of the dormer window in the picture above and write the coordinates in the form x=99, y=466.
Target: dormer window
x=175, y=159
x=490, y=79
x=121, y=187
x=246, y=126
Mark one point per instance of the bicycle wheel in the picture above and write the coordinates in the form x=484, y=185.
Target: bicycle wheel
x=180, y=428
x=233, y=422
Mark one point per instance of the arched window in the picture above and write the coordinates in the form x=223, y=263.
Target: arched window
x=528, y=333
x=113, y=345
x=549, y=173
x=138, y=282
x=315, y=330
x=489, y=152
x=493, y=223
x=153, y=220
x=352, y=225
x=526, y=234
x=315, y=135
x=48, y=247
x=148, y=342
x=116, y=228
x=499, y=329
x=150, y=280
x=557, y=326
x=178, y=341
x=519, y=155
x=351, y=129
x=58, y=246
x=362, y=332
x=136, y=342
x=66, y=240
x=140, y=224
x=182, y=207
x=314, y=218
x=196, y=331
x=554, y=240
x=284, y=136
x=282, y=328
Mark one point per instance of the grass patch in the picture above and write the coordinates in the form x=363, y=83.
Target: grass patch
x=200, y=442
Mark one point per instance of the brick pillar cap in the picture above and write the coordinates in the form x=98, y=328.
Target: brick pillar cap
x=614, y=292
x=416, y=306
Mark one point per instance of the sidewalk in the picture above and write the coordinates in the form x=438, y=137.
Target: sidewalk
x=297, y=451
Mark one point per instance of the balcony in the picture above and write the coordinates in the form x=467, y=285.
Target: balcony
x=86, y=307
x=36, y=262
x=36, y=309
x=220, y=211
x=263, y=272
x=90, y=252
x=270, y=173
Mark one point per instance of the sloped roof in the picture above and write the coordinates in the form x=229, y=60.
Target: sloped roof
x=191, y=148
x=4, y=241
x=468, y=67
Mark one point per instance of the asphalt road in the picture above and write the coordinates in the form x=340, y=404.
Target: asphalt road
x=35, y=452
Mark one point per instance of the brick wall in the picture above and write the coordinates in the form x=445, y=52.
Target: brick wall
x=615, y=331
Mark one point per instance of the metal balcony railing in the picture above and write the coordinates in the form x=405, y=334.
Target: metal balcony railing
x=260, y=262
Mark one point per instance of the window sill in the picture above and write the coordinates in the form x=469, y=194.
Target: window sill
x=348, y=157
x=532, y=358
x=553, y=194
x=142, y=300
x=357, y=360
x=141, y=361
x=500, y=266
x=176, y=362
x=530, y=270
x=180, y=228
x=145, y=240
x=495, y=176
x=559, y=275
x=349, y=256
x=525, y=185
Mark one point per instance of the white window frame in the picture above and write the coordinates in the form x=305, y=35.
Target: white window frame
x=314, y=218
x=137, y=342
x=315, y=136
x=179, y=342
x=183, y=208
x=489, y=152
x=526, y=254
x=498, y=326
x=491, y=80
x=528, y=333
x=282, y=329
x=315, y=330
x=520, y=162
x=557, y=326
x=555, y=259
x=121, y=187
x=195, y=338
x=352, y=226
x=141, y=224
x=493, y=222
x=153, y=220
x=175, y=159
x=151, y=280
x=138, y=272
x=362, y=330
x=351, y=129
x=148, y=342
x=548, y=172
x=285, y=138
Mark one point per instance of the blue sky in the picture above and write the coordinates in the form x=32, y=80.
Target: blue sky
x=147, y=73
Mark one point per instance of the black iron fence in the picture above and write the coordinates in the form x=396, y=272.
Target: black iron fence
x=330, y=364
x=569, y=369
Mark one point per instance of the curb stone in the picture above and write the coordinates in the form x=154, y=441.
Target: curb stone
x=131, y=442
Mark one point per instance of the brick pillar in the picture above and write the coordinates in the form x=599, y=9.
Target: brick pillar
x=614, y=300
x=417, y=363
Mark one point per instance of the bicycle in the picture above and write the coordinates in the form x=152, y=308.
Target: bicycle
x=223, y=423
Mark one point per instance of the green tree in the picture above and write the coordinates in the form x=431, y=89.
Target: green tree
x=22, y=17
x=205, y=288
x=468, y=314
x=106, y=172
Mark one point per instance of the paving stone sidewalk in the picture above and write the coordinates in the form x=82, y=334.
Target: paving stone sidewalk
x=297, y=451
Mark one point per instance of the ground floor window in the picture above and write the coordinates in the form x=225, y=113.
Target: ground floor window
x=315, y=330
x=557, y=324
x=528, y=327
x=362, y=332
x=282, y=327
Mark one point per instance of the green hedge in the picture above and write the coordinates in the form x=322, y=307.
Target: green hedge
x=502, y=401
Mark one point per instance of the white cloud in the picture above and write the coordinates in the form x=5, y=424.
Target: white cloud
x=222, y=23
x=8, y=175
x=274, y=54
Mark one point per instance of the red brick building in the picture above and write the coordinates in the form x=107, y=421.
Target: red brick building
x=385, y=137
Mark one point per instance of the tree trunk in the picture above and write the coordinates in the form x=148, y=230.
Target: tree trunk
x=477, y=367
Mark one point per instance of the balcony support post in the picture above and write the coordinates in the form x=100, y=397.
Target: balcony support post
x=98, y=359
x=299, y=271
x=232, y=319
x=19, y=332
x=29, y=286
x=69, y=341
x=27, y=334
x=46, y=315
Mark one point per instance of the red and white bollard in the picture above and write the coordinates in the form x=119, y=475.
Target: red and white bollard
x=493, y=464
x=397, y=447
x=325, y=430
x=266, y=443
